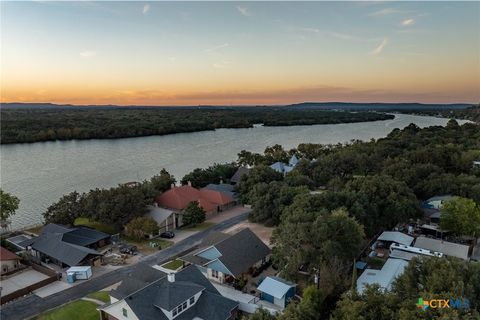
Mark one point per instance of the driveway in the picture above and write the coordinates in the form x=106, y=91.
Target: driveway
x=21, y=280
x=32, y=305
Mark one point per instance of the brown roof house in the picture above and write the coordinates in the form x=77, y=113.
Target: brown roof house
x=9, y=261
x=177, y=199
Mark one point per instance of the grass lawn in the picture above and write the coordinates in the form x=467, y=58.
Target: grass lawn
x=100, y=295
x=77, y=310
x=173, y=265
x=144, y=247
x=103, y=227
x=199, y=227
x=37, y=230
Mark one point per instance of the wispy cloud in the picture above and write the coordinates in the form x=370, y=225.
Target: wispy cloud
x=378, y=49
x=244, y=11
x=146, y=8
x=385, y=12
x=306, y=29
x=408, y=22
x=88, y=54
x=222, y=64
x=216, y=48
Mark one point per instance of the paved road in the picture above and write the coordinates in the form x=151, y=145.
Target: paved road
x=32, y=305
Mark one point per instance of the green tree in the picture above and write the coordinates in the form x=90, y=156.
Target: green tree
x=193, y=214
x=66, y=210
x=462, y=216
x=8, y=205
x=141, y=227
x=309, y=240
x=200, y=178
x=258, y=174
x=269, y=200
x=260, y=314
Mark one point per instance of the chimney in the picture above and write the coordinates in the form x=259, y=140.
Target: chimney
x=171, y=277
x=189, y=183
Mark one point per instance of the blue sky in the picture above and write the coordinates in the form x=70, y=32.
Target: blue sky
x=240, y=52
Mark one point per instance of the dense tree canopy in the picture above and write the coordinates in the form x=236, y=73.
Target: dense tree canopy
x=462, y=216
x=36, y=124
x=270, y=199
x=199, y=178
x=8, y=205
x=259, y=174
x=307, y=240
x=116, y=205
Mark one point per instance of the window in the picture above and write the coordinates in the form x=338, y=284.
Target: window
x=215, y=273
x=184, y=305
x=124, y=311
x=174, y=312
x=192, y=300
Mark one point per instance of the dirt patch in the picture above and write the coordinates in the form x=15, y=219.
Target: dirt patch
x=264, y=233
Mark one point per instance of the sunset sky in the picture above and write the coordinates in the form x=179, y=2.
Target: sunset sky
x=191, y=53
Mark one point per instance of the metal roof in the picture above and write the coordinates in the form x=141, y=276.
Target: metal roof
x=396, y=236
x=448, y=248
x=384, y=278
x=275, y=286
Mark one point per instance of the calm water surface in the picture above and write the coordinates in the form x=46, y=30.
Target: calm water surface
x=40, y=173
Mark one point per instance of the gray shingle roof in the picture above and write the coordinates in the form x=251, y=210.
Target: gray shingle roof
x=211, y=305
x=222, y=187
x=241, y=251
x=241, y=171
x=51, y=244
x=139, y=277
x=171, y=294
x=84, y=236
x=66, y=245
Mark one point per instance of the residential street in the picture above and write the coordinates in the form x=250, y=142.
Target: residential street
x=32, y=305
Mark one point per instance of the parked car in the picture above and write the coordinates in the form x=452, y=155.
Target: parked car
x=128, y=249
x=167, y=234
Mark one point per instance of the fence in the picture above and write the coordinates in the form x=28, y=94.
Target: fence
x=27, y=290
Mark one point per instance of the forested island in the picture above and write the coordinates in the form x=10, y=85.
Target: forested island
x=20, y=125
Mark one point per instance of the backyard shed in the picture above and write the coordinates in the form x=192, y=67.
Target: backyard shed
x=80, y=273
x=276, y=291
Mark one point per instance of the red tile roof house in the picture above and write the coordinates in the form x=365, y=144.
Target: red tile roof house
x=178, y=198
x=9, y=261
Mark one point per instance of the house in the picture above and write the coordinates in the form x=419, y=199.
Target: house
x=277, y=291
x=237, y=176
x=222, y=187
x=390, y=237
x=166, y=219
x=476, y=164
x=447, y=248
x=65, y=246
x=384, y=277
x=177, y=199
x=184, y=295
x=285, y=168
x=9, y=261
x=281, y=167
x=437, y=201
x=225, y=258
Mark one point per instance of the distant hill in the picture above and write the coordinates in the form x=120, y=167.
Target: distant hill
x=303, y=105
x=378, y=106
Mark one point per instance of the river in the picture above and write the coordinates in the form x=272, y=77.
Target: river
x=40, y=173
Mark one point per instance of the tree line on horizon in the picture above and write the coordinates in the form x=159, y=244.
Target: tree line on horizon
x=34, y=125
